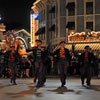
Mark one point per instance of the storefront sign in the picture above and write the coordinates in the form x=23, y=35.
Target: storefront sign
x=34, y=28
x=85, y=37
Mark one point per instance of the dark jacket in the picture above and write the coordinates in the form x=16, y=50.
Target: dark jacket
x=16, y=55
x=67, y=55
x=91, y=59
x=43, y=53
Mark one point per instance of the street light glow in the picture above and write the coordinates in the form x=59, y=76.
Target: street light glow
x=0, y=18
x=36, y=16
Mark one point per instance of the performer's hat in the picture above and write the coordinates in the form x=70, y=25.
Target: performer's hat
x=62, y=42
x=38, y=41
x=87, y=46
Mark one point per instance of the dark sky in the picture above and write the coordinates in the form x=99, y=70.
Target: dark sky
x=16, y=13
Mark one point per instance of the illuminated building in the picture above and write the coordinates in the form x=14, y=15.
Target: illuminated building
x=2, y=29
x=2, y=38
x=59, y=19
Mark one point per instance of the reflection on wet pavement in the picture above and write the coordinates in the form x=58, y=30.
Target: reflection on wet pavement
x=30, y=92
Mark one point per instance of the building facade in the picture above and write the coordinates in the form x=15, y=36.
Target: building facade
x=63, y=19
x=2, y=29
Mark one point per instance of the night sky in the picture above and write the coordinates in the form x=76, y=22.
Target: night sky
x=16, y=13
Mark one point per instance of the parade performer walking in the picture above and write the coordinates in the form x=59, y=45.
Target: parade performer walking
x=39, y=59
x=87, y=61
x=63, y=59
x=12, y=56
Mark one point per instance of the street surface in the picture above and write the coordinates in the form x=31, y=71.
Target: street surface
x=25, y=90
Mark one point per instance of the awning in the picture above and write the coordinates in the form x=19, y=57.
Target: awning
x=52, y=28
x=52, y=10
x=68, y=46
x=93, y=46
x=40, y=31
x=70, y=25
x=70, y=5
x=80, y=47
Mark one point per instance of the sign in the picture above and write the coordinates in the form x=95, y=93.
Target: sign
x=84, y=37
x=34, y=28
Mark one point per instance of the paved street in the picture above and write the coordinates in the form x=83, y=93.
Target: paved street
x=51, y=91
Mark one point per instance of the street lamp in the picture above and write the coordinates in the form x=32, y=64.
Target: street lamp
x=0, y=18
x=36, y=16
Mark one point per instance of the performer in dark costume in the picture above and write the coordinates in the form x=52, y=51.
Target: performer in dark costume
x=2, y=62
x=87, y=61
x=39, y=54
x=63, y=59
x=12, y=56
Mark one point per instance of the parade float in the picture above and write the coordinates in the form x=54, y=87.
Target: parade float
x=12, y=40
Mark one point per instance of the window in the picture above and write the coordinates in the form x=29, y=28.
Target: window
x=52, y=28
x=71, y=9
x=89, y=25
x=71, y=25
x=52, y=10
x=44, y=37
x=71, y=12
x=89, y=8
x=53, y=34
x=53, y=15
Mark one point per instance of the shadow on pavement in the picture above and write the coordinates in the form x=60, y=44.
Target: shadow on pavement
x=1, y=87
x=61, y=90
x=94, y=87
x=31, y=91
